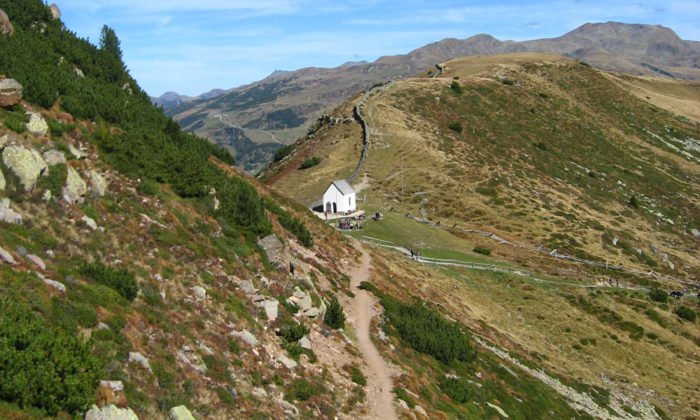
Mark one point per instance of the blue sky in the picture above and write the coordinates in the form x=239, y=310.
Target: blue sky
x=194, y=46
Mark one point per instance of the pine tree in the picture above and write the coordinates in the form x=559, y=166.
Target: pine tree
x=335, y=317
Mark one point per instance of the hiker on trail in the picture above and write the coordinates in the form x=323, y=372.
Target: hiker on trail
x=325, y=213
x=291, y=268
x=412, y=254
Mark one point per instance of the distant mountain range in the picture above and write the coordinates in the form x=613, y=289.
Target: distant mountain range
x=276, y=110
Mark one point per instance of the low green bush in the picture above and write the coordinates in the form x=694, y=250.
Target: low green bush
x=686, y=313
x=456, y=87
x=120, y=280
x=310, y=162
x=403, y=395
x=148, y=187
x=357, y=376
x=292, y=224
x=302, y=390
x=55, y=180
x=456, y=388
x=658, y=295
x=283, y=152
x=455, y=126
x=424, y=330
x=481, y=250
x=42, y=366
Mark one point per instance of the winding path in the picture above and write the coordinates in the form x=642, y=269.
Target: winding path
x=380, y=398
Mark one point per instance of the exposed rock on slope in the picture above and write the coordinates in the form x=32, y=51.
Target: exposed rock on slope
x=10, y=92
x=5, y=24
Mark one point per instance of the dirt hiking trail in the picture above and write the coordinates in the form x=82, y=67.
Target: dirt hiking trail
x=380, y=397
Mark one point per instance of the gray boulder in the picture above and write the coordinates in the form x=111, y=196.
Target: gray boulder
x=75, y=188
x=3, y=184
x=98, y=184
x=246, y=336
x=180, y=413
x=138, y=358
x=79, y=154
x=287, y=362
x=200, y=293
x=90, y=222
x=27, y=164
x=37, y=125
x=271, y=309
x=247, y=287
x=695, y=233
x=6, y=256
x=305, y=342
x=312, y=312
x=8, y=215
x=55, y=284
x=10, y=90
x=54, y=157
x=34, y=259
x=110, y=412
x=116, y=386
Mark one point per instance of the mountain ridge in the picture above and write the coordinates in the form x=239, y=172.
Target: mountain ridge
x=290, y=100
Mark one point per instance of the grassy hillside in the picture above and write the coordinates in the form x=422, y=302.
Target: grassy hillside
x=545, y=154
x=541, y=150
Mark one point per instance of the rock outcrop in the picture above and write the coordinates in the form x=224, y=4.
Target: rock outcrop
x=27, y=164
x=6, y=27
x=54, y=157
x=75, y=189
x=97, y=183
x=37, y=124
x=246, y=336
x=140, y=359
x=6, y=256
x=110, y=412
x=10, y=90
x=8, y=215
x=55, y=11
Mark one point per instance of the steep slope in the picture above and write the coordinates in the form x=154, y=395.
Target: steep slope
x=141, y=272
x=584, y=194
x=277, y=109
